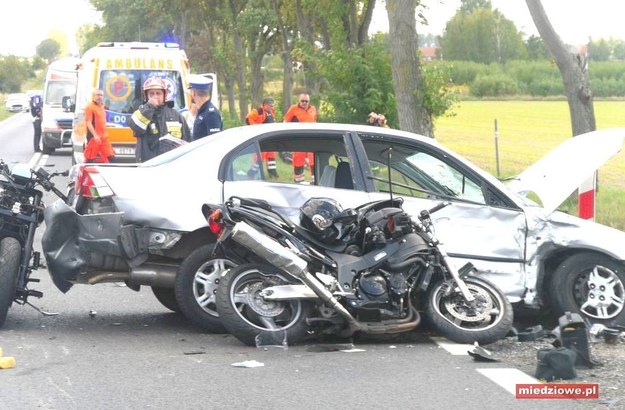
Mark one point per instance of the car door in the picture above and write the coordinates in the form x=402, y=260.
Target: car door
x=481, y=225
x=309, y=163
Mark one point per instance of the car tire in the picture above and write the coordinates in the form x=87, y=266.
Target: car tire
x=592, y=285
x=167, y=297
x=197, y=280
x=10, y=254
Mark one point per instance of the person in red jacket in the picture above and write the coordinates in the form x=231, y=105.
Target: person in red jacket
x=264, y=114
x=98, y=148
x=303, y=111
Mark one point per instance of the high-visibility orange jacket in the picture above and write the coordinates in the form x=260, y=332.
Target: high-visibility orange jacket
x=260, y=116
x=297, y=114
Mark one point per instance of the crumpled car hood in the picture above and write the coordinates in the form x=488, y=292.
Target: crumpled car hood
x=558, y=174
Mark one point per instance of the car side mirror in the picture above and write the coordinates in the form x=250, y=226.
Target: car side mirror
x=68, y=104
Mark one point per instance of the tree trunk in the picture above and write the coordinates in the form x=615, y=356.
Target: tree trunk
x=257, y=80
x=229, y=81
x=406, y=67
x=287, y=60
x=574, y=69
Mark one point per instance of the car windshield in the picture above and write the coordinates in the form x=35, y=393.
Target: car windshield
x=58, y=89
x=123, y=88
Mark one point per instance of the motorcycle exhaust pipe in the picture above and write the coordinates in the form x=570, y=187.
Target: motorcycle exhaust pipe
x=147, y=274
x=284, y=259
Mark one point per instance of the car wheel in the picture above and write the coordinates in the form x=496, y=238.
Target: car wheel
x=592, y=285
x=197, y=280
x=167, y=298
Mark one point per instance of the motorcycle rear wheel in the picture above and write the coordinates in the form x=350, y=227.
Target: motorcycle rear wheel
x=248, y=316
x=10, y=253
x=490, y=320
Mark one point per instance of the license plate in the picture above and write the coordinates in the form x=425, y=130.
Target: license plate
x=124, y=150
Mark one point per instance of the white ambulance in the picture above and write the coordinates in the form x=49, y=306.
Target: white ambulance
x=56, y=121
x=119, y=69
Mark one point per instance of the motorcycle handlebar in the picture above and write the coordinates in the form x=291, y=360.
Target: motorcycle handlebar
x=44, y=181
x=436, y=208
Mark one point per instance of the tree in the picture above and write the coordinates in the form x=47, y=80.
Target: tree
x=536, y=49
x=469, y=6
x=482, y=35
x=600, y=50
x=13, y=72
x=48, y=49
x=407, y=82
x=574, y=69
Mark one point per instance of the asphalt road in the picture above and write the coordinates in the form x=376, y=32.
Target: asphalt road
x=110, y=347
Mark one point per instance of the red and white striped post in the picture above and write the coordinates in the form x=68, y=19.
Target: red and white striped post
x=586, y=198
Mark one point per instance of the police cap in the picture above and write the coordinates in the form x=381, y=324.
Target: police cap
x=199, y=82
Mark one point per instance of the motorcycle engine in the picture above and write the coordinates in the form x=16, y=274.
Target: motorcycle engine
x=374, y=287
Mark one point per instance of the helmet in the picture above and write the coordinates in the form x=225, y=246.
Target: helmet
x=154, y=83
x=316, y=216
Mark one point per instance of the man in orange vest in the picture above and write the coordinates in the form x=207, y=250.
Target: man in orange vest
x=264, y=114
x=303, y=111
x=98, y=147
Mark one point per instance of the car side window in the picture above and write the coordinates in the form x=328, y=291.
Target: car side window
x=418, y=173
x=309, y=159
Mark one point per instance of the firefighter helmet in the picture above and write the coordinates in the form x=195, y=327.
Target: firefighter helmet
x=154, y=83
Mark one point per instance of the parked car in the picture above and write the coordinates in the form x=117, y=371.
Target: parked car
x=17, y=102
x=138, y=222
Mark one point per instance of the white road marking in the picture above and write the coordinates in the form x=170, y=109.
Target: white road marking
x=34, y=160
x=508, y=378
x=455, y=349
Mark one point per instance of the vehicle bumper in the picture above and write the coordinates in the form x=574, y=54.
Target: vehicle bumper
x=57, y=139
x=73, y=242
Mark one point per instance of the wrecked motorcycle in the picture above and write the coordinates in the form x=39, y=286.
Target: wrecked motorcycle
x=21, y=212
x=370, y=269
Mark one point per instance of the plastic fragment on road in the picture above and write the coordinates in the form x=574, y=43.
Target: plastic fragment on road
x=6, y=362
x=249, y=364
x=353, y=350
x=479, y=354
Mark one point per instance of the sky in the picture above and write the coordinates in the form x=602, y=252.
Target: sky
x=28, y=23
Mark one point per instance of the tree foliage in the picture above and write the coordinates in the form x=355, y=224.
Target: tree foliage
x=482, y=35
x=48, y=49
x=341, y=66
x=13, y=72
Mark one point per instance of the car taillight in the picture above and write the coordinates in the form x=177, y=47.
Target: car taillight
x=215, y=222
x=90, y=184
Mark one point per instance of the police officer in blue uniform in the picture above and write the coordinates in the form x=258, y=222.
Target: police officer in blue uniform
x=208, y=120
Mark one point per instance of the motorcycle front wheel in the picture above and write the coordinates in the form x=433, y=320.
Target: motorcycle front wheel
x=10, y=252
x=485, y=321
x=251, y=318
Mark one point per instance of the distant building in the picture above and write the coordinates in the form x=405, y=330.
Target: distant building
x=430, y=53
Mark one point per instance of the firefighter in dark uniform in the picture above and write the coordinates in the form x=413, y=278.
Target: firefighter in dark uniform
x=208, y=120
x=157, y=127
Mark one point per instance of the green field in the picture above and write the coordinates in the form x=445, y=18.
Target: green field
x=527, y=130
